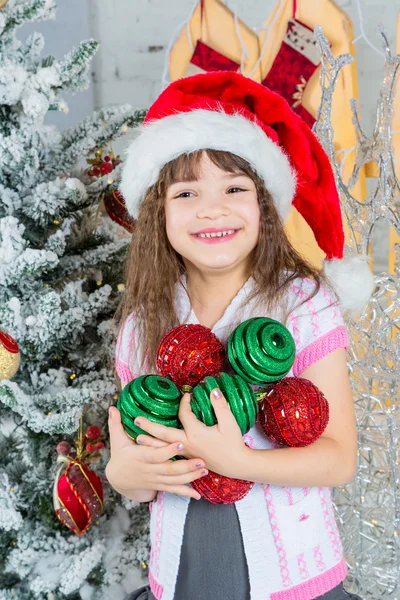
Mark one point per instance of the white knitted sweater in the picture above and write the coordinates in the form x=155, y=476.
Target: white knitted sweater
x=290, y=537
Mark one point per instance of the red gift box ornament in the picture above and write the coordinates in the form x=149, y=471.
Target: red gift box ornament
x=78, y=496
x=293, y=412
x=189, y=353
x=78, y=490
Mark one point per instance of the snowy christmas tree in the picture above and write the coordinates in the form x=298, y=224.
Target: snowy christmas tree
x=60, y=269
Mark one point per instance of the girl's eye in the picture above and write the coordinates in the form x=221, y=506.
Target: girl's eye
x=235, y=189
x=184, y=195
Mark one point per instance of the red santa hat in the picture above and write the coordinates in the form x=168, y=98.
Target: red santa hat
x=227, y=111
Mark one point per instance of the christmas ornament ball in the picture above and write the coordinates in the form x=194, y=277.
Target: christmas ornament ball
x=150, y=396
x=294, y=412
x=10, y=357
x=219, y=489
x=261, y=350
x=237, y=392
x=189, y=353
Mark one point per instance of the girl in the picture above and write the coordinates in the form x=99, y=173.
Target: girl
x=210, y=178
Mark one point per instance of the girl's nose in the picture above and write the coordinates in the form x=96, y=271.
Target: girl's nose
x=213, y=207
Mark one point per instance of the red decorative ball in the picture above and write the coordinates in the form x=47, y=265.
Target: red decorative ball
x=93, y=432
x=106, y=167
x=99, y=446
x=107, y=158
x=90, y=448
x=294, y=412
x=63, y=448
x=114, y=204
x=219, y=489
x=189, y=353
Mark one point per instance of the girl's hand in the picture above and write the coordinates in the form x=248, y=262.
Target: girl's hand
x=138, y=472
x=221, y=446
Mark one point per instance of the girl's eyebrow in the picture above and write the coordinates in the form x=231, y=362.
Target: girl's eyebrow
x=226, y=176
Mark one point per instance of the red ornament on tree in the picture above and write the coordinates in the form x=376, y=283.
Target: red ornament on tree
x=219, y=489
x=78, y=497
x=189, y=353
x=106, y=167
x=294, y=412
x=93, y=432
x=115, y=206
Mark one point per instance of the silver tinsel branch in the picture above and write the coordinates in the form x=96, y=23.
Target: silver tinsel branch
x=368, y=509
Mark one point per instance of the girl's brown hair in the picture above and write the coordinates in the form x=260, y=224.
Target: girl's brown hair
x=153, y=267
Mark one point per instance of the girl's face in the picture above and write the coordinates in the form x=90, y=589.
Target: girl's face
x=213, y=222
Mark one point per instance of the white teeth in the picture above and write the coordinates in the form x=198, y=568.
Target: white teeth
x=218, y=234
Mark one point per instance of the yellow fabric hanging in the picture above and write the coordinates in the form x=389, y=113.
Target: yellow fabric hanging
x=337, y=27
x=218, y=30
x=394, y=238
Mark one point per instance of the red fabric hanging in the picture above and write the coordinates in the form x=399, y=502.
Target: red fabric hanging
x=295, y=63
x=206, y=59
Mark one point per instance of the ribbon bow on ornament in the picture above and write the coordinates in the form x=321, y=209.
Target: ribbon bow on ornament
x=190, y=358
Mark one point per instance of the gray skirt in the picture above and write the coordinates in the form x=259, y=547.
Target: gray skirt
x=212, y=544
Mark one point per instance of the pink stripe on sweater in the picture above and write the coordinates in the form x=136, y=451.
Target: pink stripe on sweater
x=123, y=371
x=318, y=559
x=283, y=563
x=337, y=338
x=160, y=508
x=317, y=586
x=301, y=563
x=311, y=307
x=328, y=524
x=155, y=587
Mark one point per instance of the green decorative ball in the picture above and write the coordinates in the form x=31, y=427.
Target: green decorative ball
x=152, y=396
x=261, y=350
x=239, y=395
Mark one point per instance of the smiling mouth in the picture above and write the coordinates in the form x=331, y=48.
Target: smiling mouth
x=216, y=234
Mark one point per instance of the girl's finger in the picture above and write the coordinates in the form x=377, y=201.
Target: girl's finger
x=181, y=467
x=186, y=415
x=161, y=432
x=182, y=490
x=161, y=455
x=225, y=418
x=148, y=440
x=182, y=479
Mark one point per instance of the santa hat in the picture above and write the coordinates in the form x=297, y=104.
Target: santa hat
x=226, y=111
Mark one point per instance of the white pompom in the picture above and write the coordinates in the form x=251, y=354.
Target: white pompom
x=352, y=280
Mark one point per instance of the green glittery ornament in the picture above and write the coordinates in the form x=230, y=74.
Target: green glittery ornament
x=239, y=395
x=152, y=396
x=261, y=350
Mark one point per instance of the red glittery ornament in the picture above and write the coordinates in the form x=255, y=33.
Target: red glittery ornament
x=114, y=204
x=294, y=412
x=78, y=497
x=219, y=489
x=189, y=353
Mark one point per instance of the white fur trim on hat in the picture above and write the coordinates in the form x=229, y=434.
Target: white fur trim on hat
x=162, y=140
x=352, y=279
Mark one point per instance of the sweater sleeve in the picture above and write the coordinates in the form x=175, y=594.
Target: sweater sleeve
x=125, y=359
x=316, y=324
